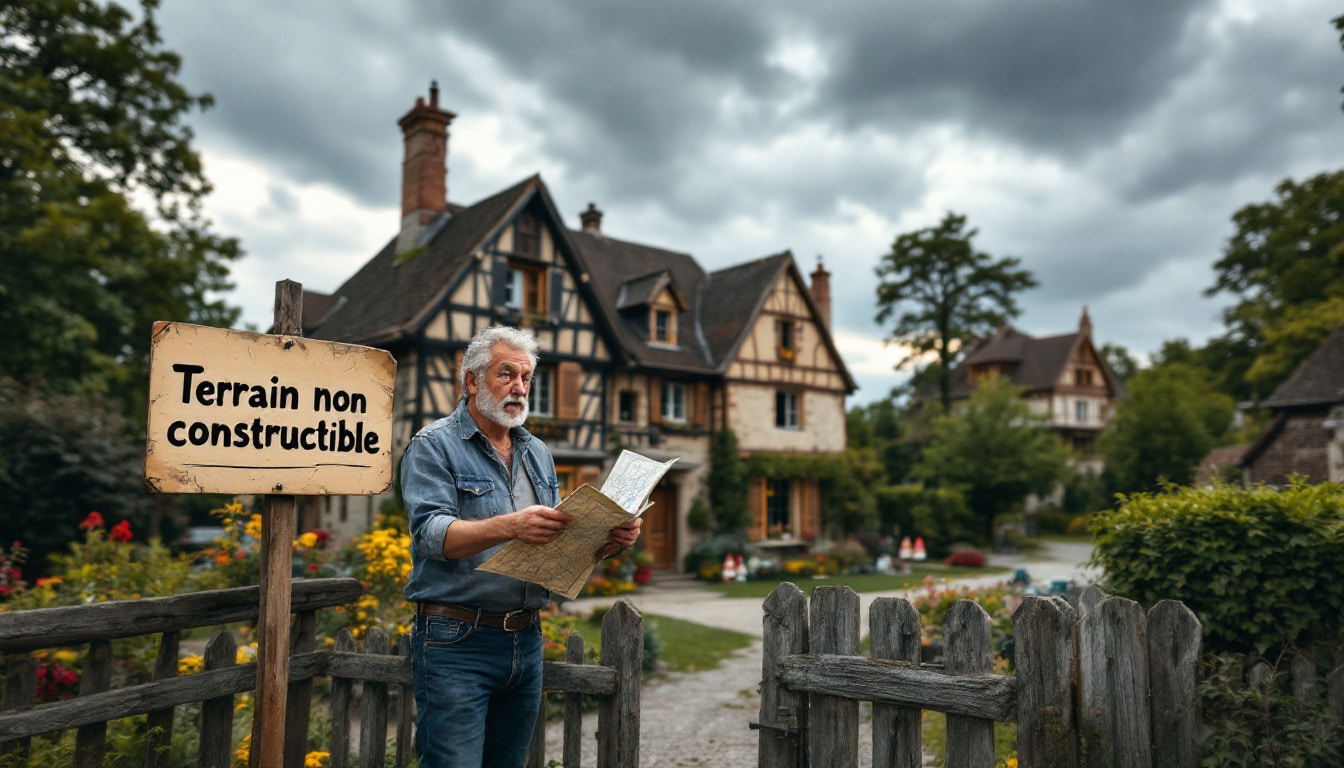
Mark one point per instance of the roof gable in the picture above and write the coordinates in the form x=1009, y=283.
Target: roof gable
x=1319, y=380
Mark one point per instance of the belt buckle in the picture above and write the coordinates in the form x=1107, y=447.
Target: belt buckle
x=508, y=618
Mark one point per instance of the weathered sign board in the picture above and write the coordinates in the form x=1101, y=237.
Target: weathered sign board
x=241, y=412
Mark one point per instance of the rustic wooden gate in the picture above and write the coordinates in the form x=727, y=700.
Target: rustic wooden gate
x=1116, y=687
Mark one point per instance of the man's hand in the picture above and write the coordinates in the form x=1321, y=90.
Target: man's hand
x=621, y=536
x=537, y=524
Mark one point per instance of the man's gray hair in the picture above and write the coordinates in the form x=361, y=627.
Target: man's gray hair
x=477, y=357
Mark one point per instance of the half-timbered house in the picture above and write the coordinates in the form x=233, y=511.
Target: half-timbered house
x=641, y=347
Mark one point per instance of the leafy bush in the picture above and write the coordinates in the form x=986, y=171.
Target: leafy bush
x=1260, y=568
x=1080, y=525
x=940, y=515
x=849, y=556
x=1051, y=520
x=966, y=557
x=711, y=551
x=1250, y=724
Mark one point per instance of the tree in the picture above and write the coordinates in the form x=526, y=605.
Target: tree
x=92, y=125
x=1118, y=359
x=944, y=294
x=1285, y=267
x=1167, y=424
x=881, y=426
x=61, y=457
x=727, y=484
x=996, y=449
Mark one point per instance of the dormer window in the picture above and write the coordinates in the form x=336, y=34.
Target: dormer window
x=662, y=327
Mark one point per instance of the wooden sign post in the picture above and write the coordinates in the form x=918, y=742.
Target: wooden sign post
x=275, y=414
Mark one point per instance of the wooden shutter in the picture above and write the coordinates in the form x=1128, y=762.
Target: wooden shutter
x=587, y=476
x=701, y=406
x=811, y=493
x=655, y=401
x=567, y=391
x=756, y=506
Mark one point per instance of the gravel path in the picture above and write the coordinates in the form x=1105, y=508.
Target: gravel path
x=697, y=719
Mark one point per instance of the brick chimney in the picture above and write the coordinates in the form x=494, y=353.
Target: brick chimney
x=424, y=169
x=821, y=292
x=592, y=220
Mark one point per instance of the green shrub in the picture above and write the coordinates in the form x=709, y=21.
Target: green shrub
x=940, y=515
x=1051, y=520
x=1264, y=726
x=1260, y=568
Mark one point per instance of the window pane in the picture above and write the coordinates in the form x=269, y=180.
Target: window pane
x=540, y=399
x=674, y=401
x=513, y=295
x=777, y=507
x=626, y=410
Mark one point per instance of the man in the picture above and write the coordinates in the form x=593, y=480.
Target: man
x=471, y=482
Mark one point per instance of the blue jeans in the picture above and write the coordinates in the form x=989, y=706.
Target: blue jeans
x=477, y=693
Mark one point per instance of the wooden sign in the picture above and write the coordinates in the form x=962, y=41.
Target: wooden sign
x=241, y=412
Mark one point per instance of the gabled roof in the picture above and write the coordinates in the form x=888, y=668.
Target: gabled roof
x=643, y=291
x=1028, y=362
x=1319, y=380
x=388, y=295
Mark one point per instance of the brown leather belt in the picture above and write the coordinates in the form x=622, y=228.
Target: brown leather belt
x=512, y=621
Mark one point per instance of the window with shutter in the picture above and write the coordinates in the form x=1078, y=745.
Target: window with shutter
x=571, y=379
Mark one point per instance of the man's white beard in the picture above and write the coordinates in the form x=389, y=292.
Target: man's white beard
x=494, y=409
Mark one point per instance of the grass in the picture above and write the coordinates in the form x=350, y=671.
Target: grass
x=691, y=647
x=859, y=582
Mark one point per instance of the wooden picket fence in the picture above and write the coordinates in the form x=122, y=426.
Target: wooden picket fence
x=384, y=678
x=1114, y=687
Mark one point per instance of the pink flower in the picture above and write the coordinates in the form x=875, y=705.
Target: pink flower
x=121, y=532
x=94, y=520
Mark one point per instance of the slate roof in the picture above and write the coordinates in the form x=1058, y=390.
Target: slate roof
x=388, y=297
x=384, y=299
x=1031, y=363
x=1319, y=380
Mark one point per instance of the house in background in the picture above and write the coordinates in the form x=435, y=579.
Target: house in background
x=1062, y=377
x=1305, y=435
x=640, y=347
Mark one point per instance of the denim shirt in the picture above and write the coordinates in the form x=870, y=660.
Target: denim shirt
x=450, y=472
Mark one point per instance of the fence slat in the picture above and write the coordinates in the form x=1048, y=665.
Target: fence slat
x=159, y=723
x=1174, y=641
x=1303, y=670
x=573, y=745
x=1114, y=718
x=833, y=622
x=618, y=716
x=217, y=713
x=1088, y=599
x=894, y=628
x=784, y=633
x=373, y=713
x=20, y=691
x=1046, y=659
x=342, y=696
x=967, y=649
x=96, y=677
x=405, y=707
x=299, y=699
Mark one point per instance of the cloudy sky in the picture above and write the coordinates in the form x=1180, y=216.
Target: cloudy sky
x=1106, y=145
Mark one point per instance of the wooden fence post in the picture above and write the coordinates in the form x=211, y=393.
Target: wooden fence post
x=618, y=715
x=373, y=713
x=784, y=634
x=217, y=713
x=1174, y=642
x=833, y=619
x=342, y=696
x=159, y=741
x=1115, y=726
x=573, y=745
x=966, y=648
x=1046, y=660
x=91, y=740
x=405, y=707
x=894, y=628
x=20, y=690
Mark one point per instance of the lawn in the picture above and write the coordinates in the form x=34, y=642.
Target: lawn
x=691, y=647
x=859, y=582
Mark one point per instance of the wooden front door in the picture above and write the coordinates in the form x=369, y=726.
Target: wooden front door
x=660, y=527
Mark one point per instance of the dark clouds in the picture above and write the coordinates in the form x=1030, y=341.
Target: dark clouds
x=1105, y=144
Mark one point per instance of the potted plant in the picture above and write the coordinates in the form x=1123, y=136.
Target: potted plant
x=643, y=566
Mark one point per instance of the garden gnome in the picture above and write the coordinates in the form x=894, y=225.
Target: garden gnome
x=920, y=554
x=905, y=551
x=729, y=568
x=741, y=569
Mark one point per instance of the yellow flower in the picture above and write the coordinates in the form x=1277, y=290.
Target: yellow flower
x=253, y=527
x=190, y=665
x=316, y=759
x=306, y=541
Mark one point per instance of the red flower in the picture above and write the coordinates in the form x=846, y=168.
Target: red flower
x=313, y=568
x=94, y=520
x=121, y=532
